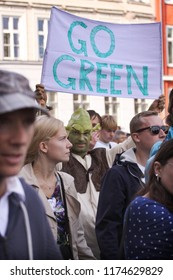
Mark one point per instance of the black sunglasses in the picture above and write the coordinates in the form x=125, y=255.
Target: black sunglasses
x=155, y=129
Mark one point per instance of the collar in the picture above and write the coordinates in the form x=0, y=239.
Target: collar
x=129, y=155
x=15, y=186
x=28, y=174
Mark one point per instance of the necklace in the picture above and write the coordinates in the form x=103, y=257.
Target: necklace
x=47, y=185
x=48, y=189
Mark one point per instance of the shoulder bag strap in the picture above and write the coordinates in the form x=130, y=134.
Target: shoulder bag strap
x=67, y=228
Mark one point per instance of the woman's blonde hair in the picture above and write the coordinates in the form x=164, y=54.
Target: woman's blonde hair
x=45, y=128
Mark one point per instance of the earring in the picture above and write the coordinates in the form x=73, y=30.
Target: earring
x=157, y=177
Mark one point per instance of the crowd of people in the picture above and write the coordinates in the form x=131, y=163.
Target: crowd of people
x=80, y=192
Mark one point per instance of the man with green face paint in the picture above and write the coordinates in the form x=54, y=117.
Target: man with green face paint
x=80, y=128
x=87, y=168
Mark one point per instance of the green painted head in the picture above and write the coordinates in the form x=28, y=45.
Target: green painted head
x=79, y=128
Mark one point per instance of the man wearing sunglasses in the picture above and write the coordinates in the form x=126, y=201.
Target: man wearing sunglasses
x=123, y=180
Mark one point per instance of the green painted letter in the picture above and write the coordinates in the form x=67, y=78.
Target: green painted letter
x=72, y=81
x=83, y=75
x=130, y=72
x=115, y=77
x=83, y=48
x=100, y=76
x=92, y=39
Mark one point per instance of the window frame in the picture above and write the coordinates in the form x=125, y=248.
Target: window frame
x=11, y=31
x=81, y=101
x=112, y=106
x=43, y=33
x=169, y=64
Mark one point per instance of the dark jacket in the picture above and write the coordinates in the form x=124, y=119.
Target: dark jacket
x=16, y=243
x=99, y=165
x=118, y=187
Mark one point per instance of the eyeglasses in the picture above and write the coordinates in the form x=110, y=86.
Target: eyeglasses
x=155, y=129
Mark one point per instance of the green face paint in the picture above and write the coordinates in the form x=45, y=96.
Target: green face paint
x=79, y=128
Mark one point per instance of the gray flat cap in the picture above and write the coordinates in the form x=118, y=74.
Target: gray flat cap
x=15, y=93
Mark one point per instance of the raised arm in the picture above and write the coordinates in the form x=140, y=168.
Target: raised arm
x=158, y=105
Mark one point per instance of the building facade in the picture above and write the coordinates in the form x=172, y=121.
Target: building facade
x=23, y=36
x=164, y=13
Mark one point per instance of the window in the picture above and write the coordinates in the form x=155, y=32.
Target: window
x=112, y=106
x=42, y=35
x=169, y=1
x=170, y=45
x=140, y=105
x=11, y=37
x=80, y=101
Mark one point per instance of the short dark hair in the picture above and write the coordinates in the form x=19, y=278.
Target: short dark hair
x=137, y=121
x=93, y=114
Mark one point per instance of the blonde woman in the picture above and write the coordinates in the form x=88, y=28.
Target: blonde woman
x=50, y=146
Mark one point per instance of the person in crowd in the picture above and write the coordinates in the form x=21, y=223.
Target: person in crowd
x=123, y=180
x=94, y=117
x=107, y=133
x=24, y=229
x=48, y=147
x=96, y=121
x=119, y=136
x=148, y=231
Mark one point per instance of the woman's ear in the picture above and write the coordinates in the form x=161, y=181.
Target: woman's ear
x=43, y=147
x=157, y=168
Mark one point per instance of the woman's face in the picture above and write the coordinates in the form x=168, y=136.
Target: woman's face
x=165, y=173
x=58, y=147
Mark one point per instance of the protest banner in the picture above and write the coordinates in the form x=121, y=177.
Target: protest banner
x=85, y=56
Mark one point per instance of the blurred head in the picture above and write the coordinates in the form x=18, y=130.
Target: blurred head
x=120, y=136
x=49, y=141
x=95, y=118
x=79, y=128
x=108, y=128
x=146, y=129
x=16, y=131
x=18, y=109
